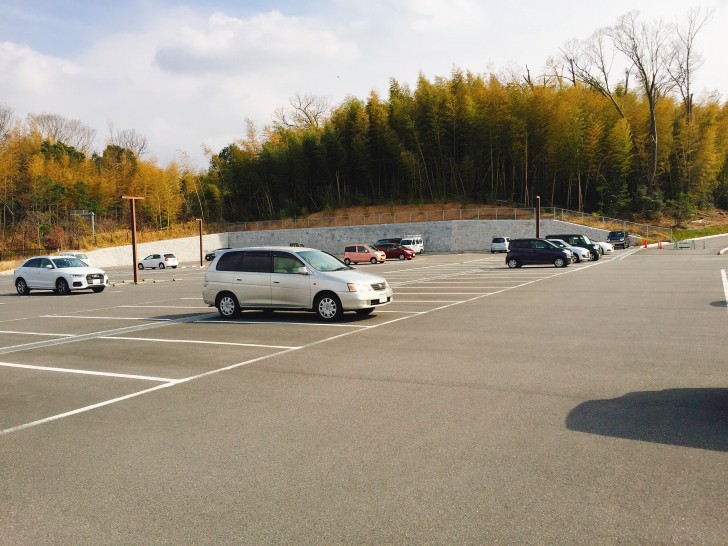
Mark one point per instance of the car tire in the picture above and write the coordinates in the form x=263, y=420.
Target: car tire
x=512, y=263
x=559, y=262
x=366, y=311
x=227, y=305
x=328, y=307
x=174, y=267
x=347, y=261
x=22, y=287
x=161, y=265
x=140, y=266
x=401, y=256
x=62, y=288
x=98, y=289
x=373, y=261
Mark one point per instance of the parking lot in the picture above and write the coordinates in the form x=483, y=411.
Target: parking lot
x=485, y=404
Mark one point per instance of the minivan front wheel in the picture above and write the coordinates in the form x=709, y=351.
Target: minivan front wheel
x=560, y=262
x=328, y=307
x=512, y=263
x=227, y=305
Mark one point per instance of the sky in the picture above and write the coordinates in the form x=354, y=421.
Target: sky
x=188, y=74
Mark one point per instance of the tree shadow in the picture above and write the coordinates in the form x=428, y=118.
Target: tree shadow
x=682, y=417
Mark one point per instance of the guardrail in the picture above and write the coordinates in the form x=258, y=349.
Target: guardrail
x=482, y=213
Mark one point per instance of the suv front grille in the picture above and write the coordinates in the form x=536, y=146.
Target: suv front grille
x=378, y=286
x=91, y=276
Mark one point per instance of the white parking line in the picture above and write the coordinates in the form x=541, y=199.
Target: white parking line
x=35, y=333
x=161, y=340
x=281, y=323
x=87, y=372
x=109, y=318
x=206, y=307
x=450, y=303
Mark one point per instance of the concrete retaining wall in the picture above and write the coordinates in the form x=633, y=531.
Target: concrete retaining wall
x=449, y=236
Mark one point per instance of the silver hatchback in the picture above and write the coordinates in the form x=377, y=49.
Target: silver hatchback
x=292, y=278
x=499, y=244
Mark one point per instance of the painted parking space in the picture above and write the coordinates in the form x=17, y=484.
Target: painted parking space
x=160, y=332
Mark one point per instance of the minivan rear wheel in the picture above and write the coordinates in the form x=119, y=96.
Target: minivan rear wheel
x=227, y=305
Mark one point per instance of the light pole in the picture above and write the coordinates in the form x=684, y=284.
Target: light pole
x=132, y=201
x=199, y=222
x=538, y=216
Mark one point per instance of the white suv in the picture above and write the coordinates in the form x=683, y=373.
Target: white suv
x=295, y=278
x=413, y=242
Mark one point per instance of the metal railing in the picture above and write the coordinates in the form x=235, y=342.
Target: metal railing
x=483, y=213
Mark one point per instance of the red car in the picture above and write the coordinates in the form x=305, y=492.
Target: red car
x=393, y=250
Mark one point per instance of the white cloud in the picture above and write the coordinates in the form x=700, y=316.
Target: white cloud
x=192, y=75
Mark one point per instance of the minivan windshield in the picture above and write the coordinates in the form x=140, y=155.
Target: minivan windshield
x=321, y=261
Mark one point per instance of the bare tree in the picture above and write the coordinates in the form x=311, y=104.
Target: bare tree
x=591, y=62
x=649, y=50
x=59, y=129
x=685, y=60
x=307, y=111
x=128, y=139
x=7, y=119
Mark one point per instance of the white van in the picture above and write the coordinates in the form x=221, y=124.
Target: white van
x=80, y=255
x=413, y=242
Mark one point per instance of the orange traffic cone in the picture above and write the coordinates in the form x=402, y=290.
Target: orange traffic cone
x=644, y=243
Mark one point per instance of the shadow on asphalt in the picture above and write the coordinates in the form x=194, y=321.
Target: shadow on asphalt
x=719, y=303
x=682, y=417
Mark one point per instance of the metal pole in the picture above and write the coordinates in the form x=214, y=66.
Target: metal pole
x=132, y=201
x=199, y=221
x=538, y=216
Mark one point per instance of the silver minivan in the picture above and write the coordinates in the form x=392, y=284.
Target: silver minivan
x=295, y=278
x=413, y=242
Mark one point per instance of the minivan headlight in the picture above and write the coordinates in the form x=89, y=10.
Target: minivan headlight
x=353, y=287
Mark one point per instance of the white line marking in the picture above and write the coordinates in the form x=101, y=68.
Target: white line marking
x=724, y=274
x=87, y=372
x=86, y=408
x=281, y=323
x=161, y=340
x=109, y=318
x=168, y=306
x=35, y=333
x=259, y=359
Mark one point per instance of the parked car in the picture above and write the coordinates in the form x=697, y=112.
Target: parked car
x=291, y=278
x=536, y=252
x=393, y=250
x=414, y=242
x=619, y=238
x=395, y=240
x=160, y=261
x=576, y=239
x=211, y=255
x=80, y=255
x=499, y=244
x=363, y=253
x=580, y=254
x=62, y=274
x=607, y=248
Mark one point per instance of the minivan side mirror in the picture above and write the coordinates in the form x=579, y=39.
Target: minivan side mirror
x=302, y=270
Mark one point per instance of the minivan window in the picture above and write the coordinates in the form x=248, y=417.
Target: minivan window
x=256, y=262
x=285, y=263
x=229, y=261
x=322, y=261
